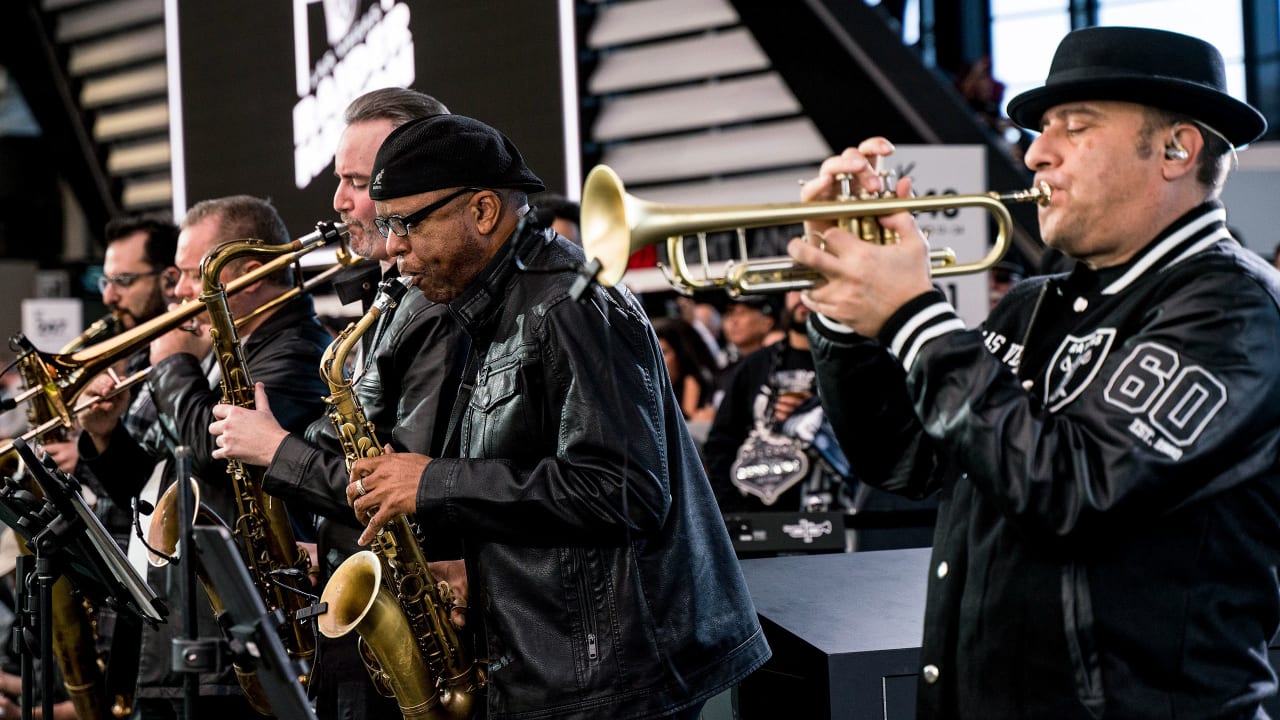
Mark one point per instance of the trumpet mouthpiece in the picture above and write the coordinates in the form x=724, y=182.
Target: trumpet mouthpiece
x=1041, y=194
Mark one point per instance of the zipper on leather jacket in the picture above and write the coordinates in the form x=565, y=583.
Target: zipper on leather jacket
x=588, y=608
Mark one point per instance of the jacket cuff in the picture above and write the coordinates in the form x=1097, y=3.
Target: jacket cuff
x=831, y=329
x=926, y=317
x=293, y=459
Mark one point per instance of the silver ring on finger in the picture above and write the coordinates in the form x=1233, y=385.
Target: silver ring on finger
x=360, y=489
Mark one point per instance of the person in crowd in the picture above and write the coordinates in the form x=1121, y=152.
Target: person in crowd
x=704, y=318
x=690, y=365
x=1001, y=278
x=746, y=324
x=566, y=213
x=281, y=348
x=1106, y=445
x=402, y=379
x=604, y=576
x=764, y=392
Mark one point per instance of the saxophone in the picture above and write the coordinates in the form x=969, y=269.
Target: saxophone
x=388, y=595
x=262, y=524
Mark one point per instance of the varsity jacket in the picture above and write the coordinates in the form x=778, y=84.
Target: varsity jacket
x=1106, y=450
x=601, y=567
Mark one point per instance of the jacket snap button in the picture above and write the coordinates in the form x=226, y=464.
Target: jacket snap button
x=930, y=674
x=943, y=569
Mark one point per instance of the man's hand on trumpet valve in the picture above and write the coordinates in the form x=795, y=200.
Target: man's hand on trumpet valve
x=383, y=488
x=865, y=283
x=250, y=436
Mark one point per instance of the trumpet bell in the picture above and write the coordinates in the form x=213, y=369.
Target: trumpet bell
x=605, y=222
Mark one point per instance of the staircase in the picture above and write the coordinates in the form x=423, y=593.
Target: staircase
x=93, y=73
x=712, y=102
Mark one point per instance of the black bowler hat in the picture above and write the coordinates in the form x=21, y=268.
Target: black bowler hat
x=1157, y=68
x=447, y=151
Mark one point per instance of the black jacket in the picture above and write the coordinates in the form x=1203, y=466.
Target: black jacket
x=1107, y=449
x=597, y=556
x=284, y=354
x=406, y=391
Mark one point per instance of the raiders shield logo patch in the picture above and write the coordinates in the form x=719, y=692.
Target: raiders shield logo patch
x=1075, y=365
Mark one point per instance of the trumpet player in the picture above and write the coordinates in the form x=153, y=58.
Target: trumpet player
x=1106, y=445
x=402, y=376
x=282, y=349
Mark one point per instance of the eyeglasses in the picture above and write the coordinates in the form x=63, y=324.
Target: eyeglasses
x=123, y=280
x=400, y=225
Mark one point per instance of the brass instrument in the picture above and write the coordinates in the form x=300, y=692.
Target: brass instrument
x=75, y=628
x=615, y=224
x=106, y=327
x=38, y=412
x=388, y=595
x=61, y=377
x=262, y=524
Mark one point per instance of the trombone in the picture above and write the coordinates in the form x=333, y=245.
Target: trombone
x=615, y=224
x=63, y=376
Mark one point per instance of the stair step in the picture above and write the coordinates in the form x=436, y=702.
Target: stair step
x=140, y=157
x=114, y=124
x=146, y=81
x=106, y=17
x=753, y=148
x=630, y=22
x=770, y=187
x=147, y=193
x=726, y=102
x=725, y=53
x=125, y=49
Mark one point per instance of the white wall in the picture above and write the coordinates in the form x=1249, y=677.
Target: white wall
x=1252, y=197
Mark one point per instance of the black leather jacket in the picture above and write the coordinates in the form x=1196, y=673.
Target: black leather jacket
x=1107, y=452
x=597, y=556
x=406, y=392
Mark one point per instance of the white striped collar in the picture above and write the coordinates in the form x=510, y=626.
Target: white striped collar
x=1178, y=245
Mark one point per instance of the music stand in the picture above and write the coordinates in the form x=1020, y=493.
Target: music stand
x=253, y=633
x=66, y=538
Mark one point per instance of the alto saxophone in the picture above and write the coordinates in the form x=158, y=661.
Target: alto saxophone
x=388, y=595
x=261, y=525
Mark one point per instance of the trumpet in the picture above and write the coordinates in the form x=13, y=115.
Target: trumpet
x=61, y=377
x=615, y=224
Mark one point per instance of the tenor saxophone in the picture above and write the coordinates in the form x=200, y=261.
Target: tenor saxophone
x=261, y=526
x=388, y=596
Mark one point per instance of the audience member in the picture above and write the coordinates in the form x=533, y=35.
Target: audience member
x=566, y=215
x=1002, y=276
x=691, y=366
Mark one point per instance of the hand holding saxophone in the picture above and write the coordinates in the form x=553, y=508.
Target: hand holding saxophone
x=250, y=435
x=865, y=282
x=383, y=488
